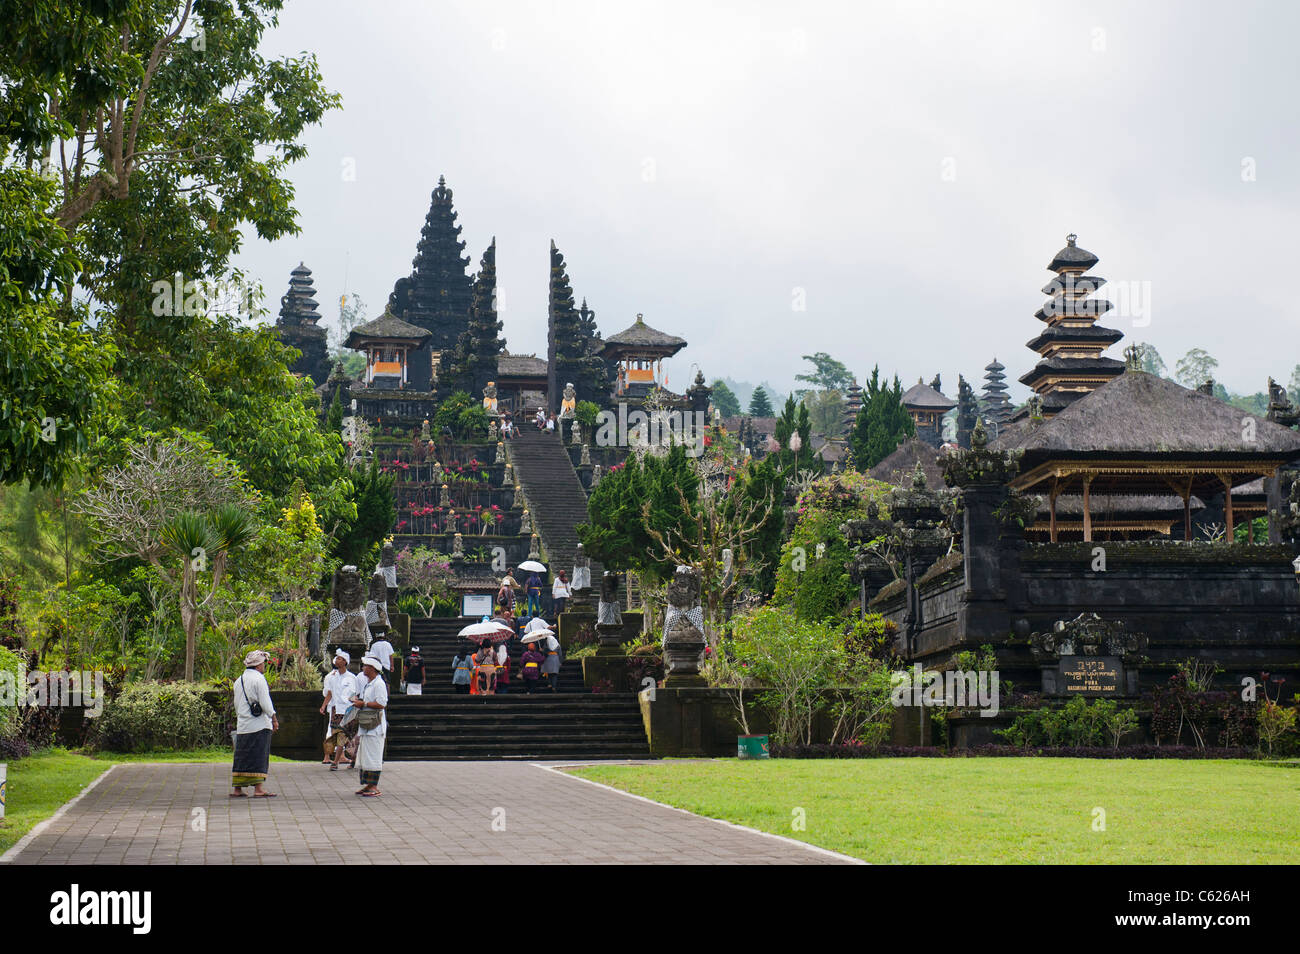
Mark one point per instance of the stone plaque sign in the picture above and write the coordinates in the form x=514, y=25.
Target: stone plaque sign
x=1090, y=676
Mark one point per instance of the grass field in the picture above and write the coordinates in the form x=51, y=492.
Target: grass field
x=995, y=811
x=39, y=784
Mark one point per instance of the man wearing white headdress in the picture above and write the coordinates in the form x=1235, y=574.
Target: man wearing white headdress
x=255, y=720
x=373, y=731
x=339, y=688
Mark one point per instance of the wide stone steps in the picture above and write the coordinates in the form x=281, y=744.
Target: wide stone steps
x=573, y=726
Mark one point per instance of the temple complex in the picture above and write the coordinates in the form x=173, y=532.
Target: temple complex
x=1071, y=345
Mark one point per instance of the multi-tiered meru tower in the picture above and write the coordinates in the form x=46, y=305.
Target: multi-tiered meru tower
x=1071, y=345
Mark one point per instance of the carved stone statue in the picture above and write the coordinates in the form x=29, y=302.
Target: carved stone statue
x=444, y=497
x=1281, y=409
x=492, y=429
x=526, y=523
x=576, y=433
x=585, y=460
x=684, y=640
x=424, y=430
x=534, y=547
x=457, y=547
x=581, y=570
x=518, y=502
x=609, y=617
x=595, y=475
x=508, y=476
x=347, y=620
x=501, y=452
x=608, y=610
x=490, y=398
x=569, y=403
x=377, y=603
x=435, y=472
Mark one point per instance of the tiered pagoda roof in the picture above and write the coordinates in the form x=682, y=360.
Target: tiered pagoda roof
x=297, y=326
x=438, y=292
x=1071, y=345
x=298, y=305
x=997, y=406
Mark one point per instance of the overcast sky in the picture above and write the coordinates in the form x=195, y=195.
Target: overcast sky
x=905, y=171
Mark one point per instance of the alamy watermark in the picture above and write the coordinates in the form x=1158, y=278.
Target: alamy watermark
x=968, y=689
x=84, y=690
x=624, y=428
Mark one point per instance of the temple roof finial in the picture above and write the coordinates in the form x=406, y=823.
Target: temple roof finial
x=1071, y=239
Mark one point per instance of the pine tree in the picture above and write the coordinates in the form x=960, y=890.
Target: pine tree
x=474, y=362
x=334, y=418
x=882, y=424
x=794, y=419
x=759, y=405
x=573, y=343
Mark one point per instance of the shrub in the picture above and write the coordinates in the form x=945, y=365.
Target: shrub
x=155, y=716
x=587, y=412
x=1075, y=724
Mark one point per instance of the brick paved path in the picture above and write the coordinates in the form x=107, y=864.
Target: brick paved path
x=146, y=814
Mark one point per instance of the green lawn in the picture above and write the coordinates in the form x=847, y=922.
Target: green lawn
x=39, y=784
x=988, y=810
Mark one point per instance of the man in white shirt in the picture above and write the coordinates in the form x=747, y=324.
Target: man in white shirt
x=339, y=688
x=382, y=650
x=370, y=756
x=255, y=721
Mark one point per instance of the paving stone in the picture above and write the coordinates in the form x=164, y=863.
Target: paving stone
x=430, y=813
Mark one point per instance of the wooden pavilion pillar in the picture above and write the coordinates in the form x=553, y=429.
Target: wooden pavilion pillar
x=1227, y=507
x=1087, y=508
x=1187, y=511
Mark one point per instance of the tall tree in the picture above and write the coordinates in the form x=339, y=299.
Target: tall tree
x=882, y=424
x=1195, y=368
x=759, y=405
x=724, y=399
x=793, y=455
x=1151, y=361
x=827, y=374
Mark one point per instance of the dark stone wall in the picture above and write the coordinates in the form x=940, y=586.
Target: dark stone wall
x=704, y=723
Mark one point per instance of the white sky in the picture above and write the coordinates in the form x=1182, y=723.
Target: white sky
x=700, y=162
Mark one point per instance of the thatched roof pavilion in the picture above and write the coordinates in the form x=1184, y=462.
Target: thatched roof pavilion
x=1141, y=434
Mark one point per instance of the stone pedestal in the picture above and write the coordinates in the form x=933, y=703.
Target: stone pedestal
x=611, y=637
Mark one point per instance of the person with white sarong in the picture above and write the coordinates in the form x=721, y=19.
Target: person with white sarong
x=339, y=688
x=370, y=755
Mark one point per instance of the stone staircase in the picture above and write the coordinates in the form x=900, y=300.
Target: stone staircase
x=556, y=497
x=571, y=723
x=439, y=644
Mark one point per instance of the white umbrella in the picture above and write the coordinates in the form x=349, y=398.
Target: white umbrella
x=535, y=624
x=532, y=566
x=536, y=634
x=479, y=630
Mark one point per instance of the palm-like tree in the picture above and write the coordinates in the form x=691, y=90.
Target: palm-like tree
x=199, y=540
